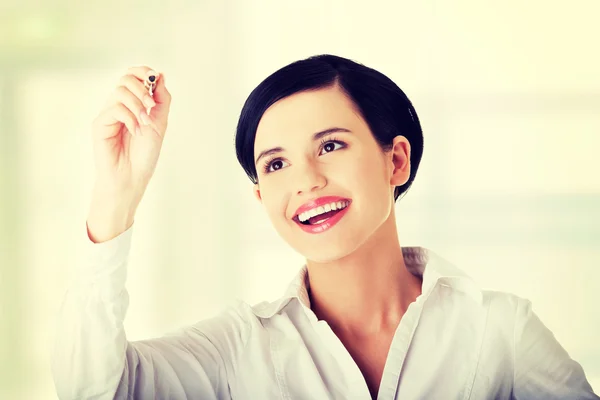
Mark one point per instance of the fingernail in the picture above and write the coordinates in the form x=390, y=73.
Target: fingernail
x=144, y=117
x=138, y=131
x=149, y=101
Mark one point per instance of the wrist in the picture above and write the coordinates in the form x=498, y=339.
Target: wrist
x=109, y=216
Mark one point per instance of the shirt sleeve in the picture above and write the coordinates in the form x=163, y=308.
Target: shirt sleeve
x=92, y=358
x=543, y=368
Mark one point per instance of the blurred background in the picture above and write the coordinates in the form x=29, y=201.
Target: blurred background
x=509, y=190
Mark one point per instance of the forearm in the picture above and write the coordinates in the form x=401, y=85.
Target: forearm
x=90, y=344
x=109, y=214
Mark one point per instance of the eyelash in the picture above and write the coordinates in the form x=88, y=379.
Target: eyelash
x=269, y=162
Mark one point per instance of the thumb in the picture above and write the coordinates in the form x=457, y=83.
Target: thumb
x=162, y=98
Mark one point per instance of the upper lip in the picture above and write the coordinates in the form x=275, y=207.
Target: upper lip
x=321, y=201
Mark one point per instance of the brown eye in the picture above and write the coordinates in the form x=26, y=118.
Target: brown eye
x=328, y=147
x=273, y=165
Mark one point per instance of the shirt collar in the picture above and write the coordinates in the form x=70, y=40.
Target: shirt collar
x=420, y=261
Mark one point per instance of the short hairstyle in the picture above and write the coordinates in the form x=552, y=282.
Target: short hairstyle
x=383, y=105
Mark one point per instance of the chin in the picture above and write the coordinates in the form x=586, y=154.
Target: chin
x=324, y=257
x=328, y=246
x=328, y=251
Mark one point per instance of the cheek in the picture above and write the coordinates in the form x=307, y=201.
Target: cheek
x=367, y=170
x=273, y=201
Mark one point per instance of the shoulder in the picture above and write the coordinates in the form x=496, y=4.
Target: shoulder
x=224, y=336
x=233, y=324
x=510, y=319
x=505, y=310
x=499, y=306
x=514, y=335
x=503, y=304
x=231, y=329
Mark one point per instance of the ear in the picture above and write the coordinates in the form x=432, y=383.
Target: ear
x=400, y=161
x=256, y=190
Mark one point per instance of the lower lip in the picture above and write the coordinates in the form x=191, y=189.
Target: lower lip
x=325, y=225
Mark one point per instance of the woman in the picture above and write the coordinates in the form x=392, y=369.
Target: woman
x=330, y=146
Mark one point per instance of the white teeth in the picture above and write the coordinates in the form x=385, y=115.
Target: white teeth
x=322, y=210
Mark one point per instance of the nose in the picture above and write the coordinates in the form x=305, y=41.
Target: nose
x=309, y=178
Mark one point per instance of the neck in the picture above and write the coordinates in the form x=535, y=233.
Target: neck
x=367, y=291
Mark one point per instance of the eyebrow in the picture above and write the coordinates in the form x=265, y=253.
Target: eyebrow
x=316, y=136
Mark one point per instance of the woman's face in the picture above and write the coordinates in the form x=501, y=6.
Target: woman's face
x=343, y=166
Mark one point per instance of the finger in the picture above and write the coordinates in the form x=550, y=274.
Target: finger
x=134, y=104
x=116, y=114
x=140, y=72
x=133, y=84
x=161, y=94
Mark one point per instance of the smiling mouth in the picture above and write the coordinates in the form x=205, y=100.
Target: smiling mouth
x=318, y=219
x=321, y=214
x=322, y=219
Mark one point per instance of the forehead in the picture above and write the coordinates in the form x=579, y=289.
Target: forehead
x=302, y=114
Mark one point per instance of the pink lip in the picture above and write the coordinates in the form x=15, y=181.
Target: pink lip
x=325, y=225
x=321, y=201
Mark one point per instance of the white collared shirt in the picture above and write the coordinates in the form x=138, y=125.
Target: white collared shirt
x=455, y=341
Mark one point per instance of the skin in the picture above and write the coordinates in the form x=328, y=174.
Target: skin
x=358, y=279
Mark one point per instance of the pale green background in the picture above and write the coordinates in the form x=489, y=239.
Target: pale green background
x=508, y=94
